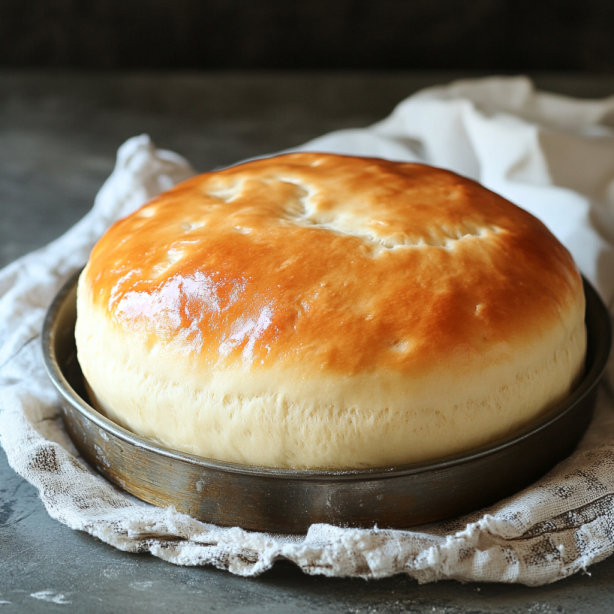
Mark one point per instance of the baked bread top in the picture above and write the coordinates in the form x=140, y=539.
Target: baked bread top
x=324, y=311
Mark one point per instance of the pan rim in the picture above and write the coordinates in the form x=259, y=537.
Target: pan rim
x=599, y=323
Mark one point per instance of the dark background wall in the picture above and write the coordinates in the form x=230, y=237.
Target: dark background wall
x=310, y=34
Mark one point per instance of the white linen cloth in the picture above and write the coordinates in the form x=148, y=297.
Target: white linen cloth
x=551, y=155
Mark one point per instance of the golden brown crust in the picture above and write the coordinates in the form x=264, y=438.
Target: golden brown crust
x=344, y=264
x=321, y=311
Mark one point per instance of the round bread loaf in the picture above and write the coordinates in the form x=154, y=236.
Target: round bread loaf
x=321, y=311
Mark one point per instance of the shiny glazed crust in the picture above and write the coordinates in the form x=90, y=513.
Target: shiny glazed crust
x=321, y=311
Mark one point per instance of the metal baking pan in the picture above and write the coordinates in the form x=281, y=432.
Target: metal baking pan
x=289, y=501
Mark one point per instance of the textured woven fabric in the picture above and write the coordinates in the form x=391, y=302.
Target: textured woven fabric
x=552, y=155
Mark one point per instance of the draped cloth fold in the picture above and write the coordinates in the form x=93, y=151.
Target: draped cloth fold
x=550, y=154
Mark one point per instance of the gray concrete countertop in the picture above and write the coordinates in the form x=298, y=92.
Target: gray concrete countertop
x=58, y=137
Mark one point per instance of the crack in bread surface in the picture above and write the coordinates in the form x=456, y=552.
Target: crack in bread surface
x=301, y=208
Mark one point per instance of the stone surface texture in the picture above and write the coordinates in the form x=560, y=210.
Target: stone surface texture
x=58, y=136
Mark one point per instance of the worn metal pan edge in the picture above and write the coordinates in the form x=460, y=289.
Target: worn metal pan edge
x=60, y=319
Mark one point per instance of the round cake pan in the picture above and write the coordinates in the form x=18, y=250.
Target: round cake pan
x=289, y=501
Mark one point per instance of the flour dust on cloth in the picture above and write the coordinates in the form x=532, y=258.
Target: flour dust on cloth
x=549, y=154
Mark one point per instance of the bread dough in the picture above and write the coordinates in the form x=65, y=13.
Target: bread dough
x=329, y=312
